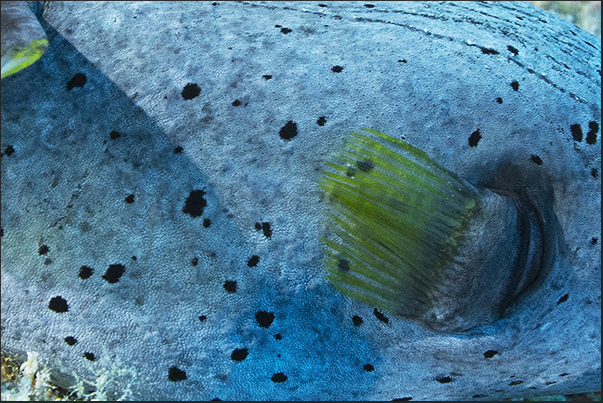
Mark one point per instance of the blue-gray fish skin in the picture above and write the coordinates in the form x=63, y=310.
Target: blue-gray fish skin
x=161, y=211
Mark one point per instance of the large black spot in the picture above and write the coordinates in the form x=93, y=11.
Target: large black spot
x=444, y=379
x=42, y=250
x=194, y=204
x=380, y=316
x=402, y=399
x=89, y=356
x=267, y=76
x=239, y=354
x=368, y=367
x=357, y=320
x=279, y=377
x=488, y=51
x=9, y=150
x=70, y=340
x=516, y=383
x=474, y=138
x=206, y=222
x=176, y=375
x=77, y=80
x=286, y=30
x=114, y=135
x=230, y=286
x=58, y=304
x=265, y=228
x=499, y=100
x=264, y=318
x=236, y=102
x=190, y=91
x=337, y=69
x=512, y=50
x=536, y=159
x=129, y=199
x=515, y=85
x=591, y=136
x=576, y=132
x=86, y=272
x=288, y=131
x=321, y=121
x=490, y=353
x=114, y=273
x=563, y=299
x=253, y=261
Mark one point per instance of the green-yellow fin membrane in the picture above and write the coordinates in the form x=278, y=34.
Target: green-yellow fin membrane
x=14, y=60
x=396, y=221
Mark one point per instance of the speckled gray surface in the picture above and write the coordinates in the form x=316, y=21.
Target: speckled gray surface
x=103, y=116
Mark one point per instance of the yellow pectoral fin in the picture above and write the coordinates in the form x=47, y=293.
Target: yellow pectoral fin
x=14, y=60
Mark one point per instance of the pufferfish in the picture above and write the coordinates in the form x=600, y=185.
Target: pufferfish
x=410, y=237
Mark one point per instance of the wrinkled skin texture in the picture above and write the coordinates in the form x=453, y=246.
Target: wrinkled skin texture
x=432, y=73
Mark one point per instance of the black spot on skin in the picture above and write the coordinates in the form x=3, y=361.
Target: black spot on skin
x=86, y=272
x=499, y=100
x=288, y=131
x=550, y=383
x=114, y=135
x=230, y=286
x=594, y=172
x=253, y=261
x=195, y=261
x=475, y=138
x=336, y=69
x=286, y=30
x=564, y=374
x=134, y=258
x=78, y=80
x=515, y=85
x=576, y=130
x=278, y=336
x=402, y=399
x=114, y=273
x=357, y=320
x=202, y=318
x=47, y=261
x=89, y=356
x=190, y=91
x=258, y=226
x=178, y=150
x=515, y=383
x=236, y=102
x=380, y=316
x=130, y=199
x=176, y=375
x=206, y=222
x=512, y=50
x=266, y=229
x=536, y=159
x=490, y=353
x=368, y=368
x=591, y=136
x=402, y=61
x=343, y=266
x=279, y=377
x=70, y=340
x=264, y=318
x=478, y=396
x=58, y=304
x=321, y=5
x=8, y=151
x=563, y=299
x=488, y=51
x=594, y=240
x=369, y=5
x=42, y=250
x=365, y=165
x=444, y=379
x=195, y=203
x=239, y=354
x=267, y=76
x=321, y=121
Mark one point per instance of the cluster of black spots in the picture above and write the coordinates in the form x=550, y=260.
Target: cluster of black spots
x=78, y=80
x=343, y=266
x=195, y=203
x=129, y=199
x=380, y=316
x=513, y=50
x=89, y=356
x=357, y=320
x=594, y=240
x=86, y=272
x=8, y=151
x=195, y=261
x=513, y=383
x=176, y=375
x=591, y=136
x=114, y=135
x=206, y=222
x=536, y=159
x=321, y=121
x=594, y=172
x=475, y=138
x=278, y=336
x=267, y=76
x=239, y=354
x=279, y=377
x=58, y=304
x=499, y=100
x=369, y=5
x=368, y=368
x=253, y=261
x=576, y=130
x=236, y=102
x=515, y=85
x=202, y=318
x=114, y=273
x=230, y=286
x=444, y=379
x=288, y=131
x=563, y=299
x=264, y=318
x=190, y=91
x=365, y=165
x=178, y=150
x=70, y=340
x=488, y=51
x=336, y=69
x=402, y=61
x=265, y=228
x=490, y=353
